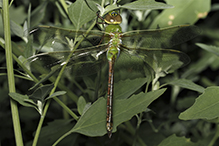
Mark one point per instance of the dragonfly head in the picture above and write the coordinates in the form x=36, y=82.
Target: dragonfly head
x=113, y=17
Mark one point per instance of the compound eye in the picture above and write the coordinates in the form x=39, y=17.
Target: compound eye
x=114, y=14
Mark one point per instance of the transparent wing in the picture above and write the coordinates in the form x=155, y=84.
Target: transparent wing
x=46, y=36
x=82, y=62
x=160, y=38
x=153, y=59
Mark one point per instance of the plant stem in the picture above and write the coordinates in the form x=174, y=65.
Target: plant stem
x=54, y=88
x=41, y=123
x=10, y=72
x=216, y=136
x=64, y=6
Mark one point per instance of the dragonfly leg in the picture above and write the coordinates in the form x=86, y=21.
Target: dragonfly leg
x=98, y=16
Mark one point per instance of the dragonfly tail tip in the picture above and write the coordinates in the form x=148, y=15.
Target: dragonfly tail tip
x=109, y=134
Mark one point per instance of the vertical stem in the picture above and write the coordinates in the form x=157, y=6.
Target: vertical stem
x=212, y=142
x=53, y=90
x=10, y=73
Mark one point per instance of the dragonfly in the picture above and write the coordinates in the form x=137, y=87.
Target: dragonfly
x=149, y=47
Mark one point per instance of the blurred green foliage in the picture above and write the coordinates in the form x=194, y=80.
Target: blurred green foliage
x=185, y=114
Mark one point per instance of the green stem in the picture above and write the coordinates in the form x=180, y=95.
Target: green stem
x=41, y=123
x=10, y=72
x=102, y=3
x=66, y=108
x=132, y=131
x=54, y=88
x=64, y=5
x=64, y=111
x=216, y=136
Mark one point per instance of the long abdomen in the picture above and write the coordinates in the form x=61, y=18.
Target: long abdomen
x=109, y=116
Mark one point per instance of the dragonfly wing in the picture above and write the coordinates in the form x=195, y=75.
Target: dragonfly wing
x=130, y=65
x=47, y=35
x=160, y=60
x=83, y=61
x=160, y=38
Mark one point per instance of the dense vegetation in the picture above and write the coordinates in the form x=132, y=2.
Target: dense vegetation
x=180, y=108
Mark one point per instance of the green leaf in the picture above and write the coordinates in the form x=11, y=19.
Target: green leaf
x=169, y=63
x=24, y=100
x=192, y=9
x=16, y=29
x=45, y=76
x=93, y=121
x=173, y=140
x=188, y=84
x=206, y=106
x=80, y=13
x=146, y=5
x=197, y=67
x=81, y=104
x=212, y=49
x=21, y=99
x=18, y=14
x=53, y=130
x=58, y=93
x=38, y=14
x=41, y=92
x=127, y=87
x=109, y=8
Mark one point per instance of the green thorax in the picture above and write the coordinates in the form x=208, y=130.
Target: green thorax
x=113, y=19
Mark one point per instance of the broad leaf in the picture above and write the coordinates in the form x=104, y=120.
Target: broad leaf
x=173, y=140
x=93, y=121
x=53, y=130
x=188, y=84
x=146, y=5
x=192, y=9
x=80, y=13
x=126, y=88
x=206, y=106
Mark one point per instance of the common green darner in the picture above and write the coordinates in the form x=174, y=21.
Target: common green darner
x=142, y=45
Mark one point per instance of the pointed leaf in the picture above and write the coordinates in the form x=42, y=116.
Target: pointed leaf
x=81, y=104
x=93, y=121
x=128, y=87
x=212, y=49
x=53, y=130
x=188, y=84
x=146, y=5
x=16, y=29
x=109, y=8
x=38, y=14
x=206, y=106
x=126, y=109
x=173, y=140
x=58, y=93
x=41, y=92
x=46, y=77
x=200, y=65
x=80, y=13
x=21, y=99
x=24, y=100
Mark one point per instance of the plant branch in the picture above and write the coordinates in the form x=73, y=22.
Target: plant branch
x=10, y=72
